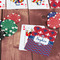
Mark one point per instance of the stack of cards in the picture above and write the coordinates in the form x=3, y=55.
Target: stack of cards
x=37, y=39
x=32, y=4
x=29, y=4
x=2, y=4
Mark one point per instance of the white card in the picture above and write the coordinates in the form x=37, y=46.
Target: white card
x=23, y=37
x=16, y=4
x=2, y=4
x=38, y=4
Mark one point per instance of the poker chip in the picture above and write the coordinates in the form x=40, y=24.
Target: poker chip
x=51, y=14
x=2, y=34
x=13, y=16
x=0, y=24
x=54, y=22
x=9, y=27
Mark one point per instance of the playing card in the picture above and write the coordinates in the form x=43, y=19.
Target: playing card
x=2, y=4
x=25, y=29
x=41, y=40
x=38, y=4
x=16, y=4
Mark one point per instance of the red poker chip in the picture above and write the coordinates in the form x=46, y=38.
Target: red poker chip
x=4, y=18
x=54, y=22
x=13, y=16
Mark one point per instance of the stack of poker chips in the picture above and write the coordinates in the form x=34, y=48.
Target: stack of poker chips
x=2, y=33
x=8, y=26
x=17, y=2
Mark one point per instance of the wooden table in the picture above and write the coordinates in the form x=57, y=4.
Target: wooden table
x=10, y=45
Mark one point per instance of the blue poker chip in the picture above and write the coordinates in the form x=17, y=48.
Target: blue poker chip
x=51, y=14
x=0, y=24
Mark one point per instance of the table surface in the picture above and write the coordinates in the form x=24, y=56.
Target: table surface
x=10, y=45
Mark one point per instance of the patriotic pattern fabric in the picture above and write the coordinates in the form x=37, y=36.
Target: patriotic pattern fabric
x=55, y=3
x=41, y=41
